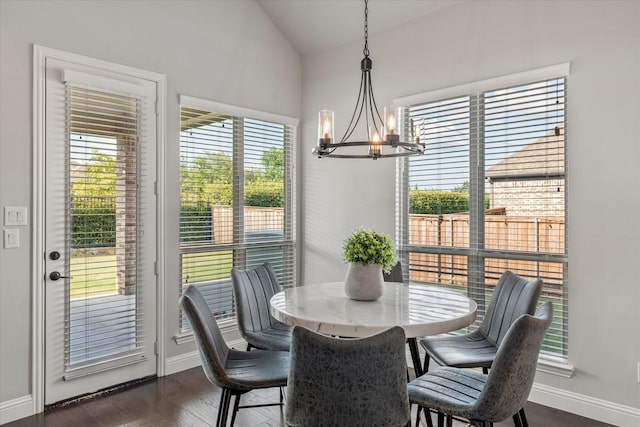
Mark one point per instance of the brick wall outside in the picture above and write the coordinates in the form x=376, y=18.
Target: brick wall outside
x=536, y=198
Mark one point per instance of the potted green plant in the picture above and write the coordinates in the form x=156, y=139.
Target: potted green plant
x=369, y=253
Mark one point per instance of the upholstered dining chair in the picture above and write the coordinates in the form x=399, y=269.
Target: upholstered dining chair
x=236, y=372
x=252, y=290
x=512, y=297
x=487, y=398
x=395, y=275
x=347, y=382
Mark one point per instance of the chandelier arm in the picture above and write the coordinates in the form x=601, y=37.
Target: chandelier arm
x=373, y=108
x=373, y=98
x=366, y=101
x=350, y=131
x=359, y=107
x=352, y=124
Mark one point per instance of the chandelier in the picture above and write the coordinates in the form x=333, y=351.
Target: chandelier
x=384, y=138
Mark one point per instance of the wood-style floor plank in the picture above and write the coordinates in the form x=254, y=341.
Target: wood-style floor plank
x=187, y=399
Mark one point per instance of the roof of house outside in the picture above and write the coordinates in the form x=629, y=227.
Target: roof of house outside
x=541, y=159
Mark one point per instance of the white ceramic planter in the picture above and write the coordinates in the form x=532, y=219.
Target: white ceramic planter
x=364, y=282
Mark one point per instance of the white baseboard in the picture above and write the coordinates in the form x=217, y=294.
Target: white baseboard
x=585, y=406
x=15, y=409
x=181, y=362
x=190, y=360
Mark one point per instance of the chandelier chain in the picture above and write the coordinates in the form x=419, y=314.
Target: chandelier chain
x=366, y=29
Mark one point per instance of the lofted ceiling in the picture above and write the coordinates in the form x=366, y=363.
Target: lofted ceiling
x=316, y=25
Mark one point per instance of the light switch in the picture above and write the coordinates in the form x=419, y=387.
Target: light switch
x=11, y=238
x=15, y=215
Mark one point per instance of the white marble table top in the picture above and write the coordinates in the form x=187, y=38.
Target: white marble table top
x=421, y=310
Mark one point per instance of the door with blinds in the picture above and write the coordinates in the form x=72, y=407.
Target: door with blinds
x=100, y=237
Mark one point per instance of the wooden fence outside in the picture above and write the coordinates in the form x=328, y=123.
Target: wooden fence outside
x=504, y=232
x=255, y=219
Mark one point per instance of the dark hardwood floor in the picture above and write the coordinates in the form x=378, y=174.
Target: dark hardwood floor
x=188, y=399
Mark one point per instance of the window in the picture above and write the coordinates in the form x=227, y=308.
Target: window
x=489, y=193
x=237, y=202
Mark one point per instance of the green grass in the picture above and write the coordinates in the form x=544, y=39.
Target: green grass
x=96, y=275
x=206, y=266
x=93, y=276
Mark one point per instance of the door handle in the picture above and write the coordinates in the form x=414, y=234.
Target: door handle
x=55, y=275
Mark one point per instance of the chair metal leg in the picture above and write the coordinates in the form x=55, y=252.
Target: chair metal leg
x=418, y=411
x=523, y=418
x=425, y=367
x=415, y=356
x=485, y=371
x=223, y=408
x=427, y=416
x=516, y=420
x=449, y=420
x=281, y=395
x=235, y=409
x=440, y=419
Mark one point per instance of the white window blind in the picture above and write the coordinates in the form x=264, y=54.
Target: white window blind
x=489, y=194
x=103, y=314
x=237, y=201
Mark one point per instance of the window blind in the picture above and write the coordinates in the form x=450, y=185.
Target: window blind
x=103, y=315
x=489, y=194
x=237, y=201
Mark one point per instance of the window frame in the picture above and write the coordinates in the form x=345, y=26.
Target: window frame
x=240, y=246
x=476, y=252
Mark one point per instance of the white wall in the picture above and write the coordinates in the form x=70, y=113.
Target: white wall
x=227, y=51
x=482, y=39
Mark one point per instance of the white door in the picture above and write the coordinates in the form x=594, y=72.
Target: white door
x=100, y=230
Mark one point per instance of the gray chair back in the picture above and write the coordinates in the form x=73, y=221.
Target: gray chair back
x=347, y=382
x=395, y=275
x=513, y=297
x=514, y=367
x=211, y=345
x=253, y=290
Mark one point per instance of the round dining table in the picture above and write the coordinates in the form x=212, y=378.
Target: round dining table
x=421, y=310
